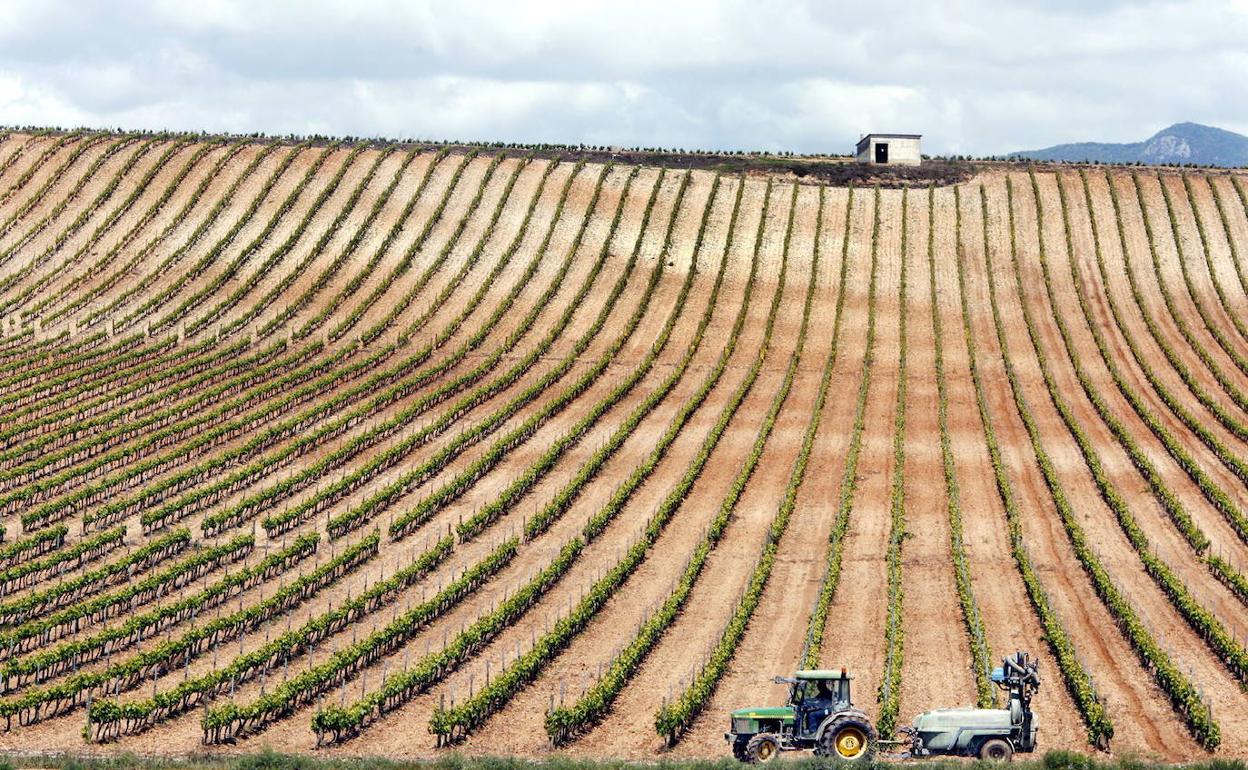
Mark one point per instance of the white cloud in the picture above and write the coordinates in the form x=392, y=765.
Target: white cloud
x=203, y=15
x=21, y=104
x=972, y=75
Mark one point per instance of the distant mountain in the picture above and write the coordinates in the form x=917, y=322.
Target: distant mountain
x=1189, y=143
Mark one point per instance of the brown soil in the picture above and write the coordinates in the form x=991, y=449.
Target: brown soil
x=1009, y=620
x=937, y=667
x=855, y=631
x=937, y=663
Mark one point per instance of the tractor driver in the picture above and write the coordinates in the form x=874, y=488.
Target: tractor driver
x=820, y=705
x=824, y=691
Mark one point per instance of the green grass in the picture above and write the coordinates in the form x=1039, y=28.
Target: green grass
x=270, y=760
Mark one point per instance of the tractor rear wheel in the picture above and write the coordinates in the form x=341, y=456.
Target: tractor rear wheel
x=849, y=739
x=996, y=750
x=762, y=748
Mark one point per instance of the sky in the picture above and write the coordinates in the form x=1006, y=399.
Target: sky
x=973, y=76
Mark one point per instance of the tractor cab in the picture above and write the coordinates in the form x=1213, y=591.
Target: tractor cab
x=815, y=694
x=819, y=715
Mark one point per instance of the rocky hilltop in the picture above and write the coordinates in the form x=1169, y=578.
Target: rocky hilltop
x=1190, y=143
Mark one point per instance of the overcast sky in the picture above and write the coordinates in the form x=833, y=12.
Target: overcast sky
x=973, y=76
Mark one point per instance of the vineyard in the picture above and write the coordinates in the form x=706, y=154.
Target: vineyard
x=365, y=449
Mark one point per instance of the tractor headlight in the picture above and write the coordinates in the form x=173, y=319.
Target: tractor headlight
x=743, y=726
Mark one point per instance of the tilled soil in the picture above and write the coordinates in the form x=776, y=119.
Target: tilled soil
x=937, y=669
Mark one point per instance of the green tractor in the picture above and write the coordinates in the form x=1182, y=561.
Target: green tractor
x=820, y=716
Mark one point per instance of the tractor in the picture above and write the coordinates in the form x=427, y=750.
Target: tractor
x=820, y=716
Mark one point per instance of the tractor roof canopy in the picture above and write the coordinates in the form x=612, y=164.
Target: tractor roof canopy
x=839, y=673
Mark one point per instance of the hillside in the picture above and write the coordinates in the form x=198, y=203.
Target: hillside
x=361, y=449
x=1183, y=143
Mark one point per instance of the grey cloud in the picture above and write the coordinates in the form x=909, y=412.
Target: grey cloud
x=975, y=76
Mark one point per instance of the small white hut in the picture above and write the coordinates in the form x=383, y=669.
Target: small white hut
x=890, y=149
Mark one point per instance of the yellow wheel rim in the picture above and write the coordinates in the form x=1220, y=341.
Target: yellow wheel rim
x=765, y=750
x=850, y=742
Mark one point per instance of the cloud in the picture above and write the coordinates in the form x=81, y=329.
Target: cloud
x=22, y=105
x=975, y=76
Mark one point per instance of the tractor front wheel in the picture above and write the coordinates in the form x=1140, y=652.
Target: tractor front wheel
x=996, y=750
x=848, y=739
x=762, y=748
